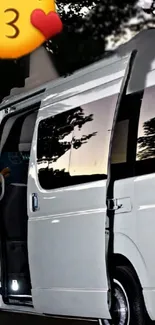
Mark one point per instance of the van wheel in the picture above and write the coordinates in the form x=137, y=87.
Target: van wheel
x=128, y=304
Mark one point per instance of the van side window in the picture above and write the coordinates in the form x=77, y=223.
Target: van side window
x=145, y=155
x=90, y=147
x=73, y=146
x=125, y=137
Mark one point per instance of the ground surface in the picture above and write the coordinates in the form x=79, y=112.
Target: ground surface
x=21, y=319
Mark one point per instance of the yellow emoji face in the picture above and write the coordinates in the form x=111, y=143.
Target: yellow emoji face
x=25, y=25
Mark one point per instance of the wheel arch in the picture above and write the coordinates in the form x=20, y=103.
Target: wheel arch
x=121, y=260
x=127, y=252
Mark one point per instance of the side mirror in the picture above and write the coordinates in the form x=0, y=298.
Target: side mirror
x=2, y=180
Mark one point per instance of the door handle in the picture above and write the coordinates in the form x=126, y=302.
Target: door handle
x=35, y=202
x=113, y=205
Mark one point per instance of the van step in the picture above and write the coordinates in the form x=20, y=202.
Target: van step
x=21, y=302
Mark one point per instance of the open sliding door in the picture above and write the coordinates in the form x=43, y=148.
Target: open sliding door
x=67, y=235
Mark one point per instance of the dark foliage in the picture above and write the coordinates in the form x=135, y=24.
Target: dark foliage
x=83, y=40
x=146, y=143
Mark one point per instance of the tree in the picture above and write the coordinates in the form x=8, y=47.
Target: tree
x=55, y=138
x=88, y=25
x=54, y=131
x=146, y=143
x=85, y=36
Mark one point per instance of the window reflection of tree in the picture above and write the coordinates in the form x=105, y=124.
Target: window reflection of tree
x=53, y=144
x=146, y=143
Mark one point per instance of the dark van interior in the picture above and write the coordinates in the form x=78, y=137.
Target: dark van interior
x=15, y=145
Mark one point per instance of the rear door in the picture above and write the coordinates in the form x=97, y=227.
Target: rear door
x=67, y=204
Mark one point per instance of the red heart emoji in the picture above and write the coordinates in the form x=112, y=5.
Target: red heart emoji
x=49, y=25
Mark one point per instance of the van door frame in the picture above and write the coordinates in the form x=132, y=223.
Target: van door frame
x=110, y=185
x=28, y=108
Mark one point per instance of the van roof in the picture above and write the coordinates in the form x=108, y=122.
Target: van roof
x=63, y=82
x=103, y=68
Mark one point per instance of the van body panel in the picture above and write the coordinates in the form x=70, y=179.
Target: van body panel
x=67, y=250
x=134, y=231
x=145, y=206
x=74, y=253
x=149, y=298
x=134, y=226
x=104, y=75
x=71, y=278
x=80, y=302
x=145, y=212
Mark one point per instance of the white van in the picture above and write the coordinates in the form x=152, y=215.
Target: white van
x=77, y=214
